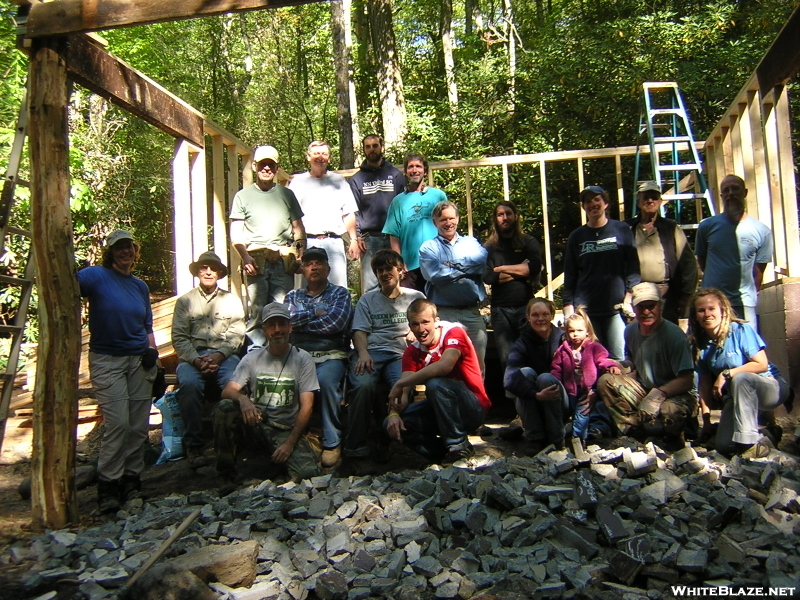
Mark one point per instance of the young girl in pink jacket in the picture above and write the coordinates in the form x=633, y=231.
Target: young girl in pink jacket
x=578, y=363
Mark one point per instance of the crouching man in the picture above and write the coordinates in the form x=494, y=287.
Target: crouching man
x=444, y=359
x=280, y=381
x=661, y=391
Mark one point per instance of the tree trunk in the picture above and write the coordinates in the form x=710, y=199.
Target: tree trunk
x=446, y=30
x=469, y=9
x=511, y=36
x=390, y=80
x=345, y=88
x=54, y=501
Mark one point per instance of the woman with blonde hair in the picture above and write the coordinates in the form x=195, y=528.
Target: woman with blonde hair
x=735, y=373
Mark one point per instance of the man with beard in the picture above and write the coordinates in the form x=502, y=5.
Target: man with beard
x=329, y=210
x=513, y=267
x=374, y=187
x=409, y=222
x=733, y=250
x=265, y=219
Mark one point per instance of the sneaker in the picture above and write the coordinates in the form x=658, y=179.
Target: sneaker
x=196, y=458
x=510, y=433
x=456, y=455
x=331, y=457
x=761, y=449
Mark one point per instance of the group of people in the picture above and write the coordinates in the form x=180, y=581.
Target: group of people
x=416, y=323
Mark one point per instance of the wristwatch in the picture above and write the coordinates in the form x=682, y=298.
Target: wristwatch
x=727, y=374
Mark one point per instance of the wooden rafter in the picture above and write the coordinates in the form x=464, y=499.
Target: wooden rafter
x=79, y=16
x=782, y=60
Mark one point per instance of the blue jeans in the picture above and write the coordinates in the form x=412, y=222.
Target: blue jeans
x=543, y=421
x=442, y=422
x=610, y=332
x=598, y=419
x=364, y=399
x=330, y=374
x=374, y=242
x=191, y=391
x=271, y=284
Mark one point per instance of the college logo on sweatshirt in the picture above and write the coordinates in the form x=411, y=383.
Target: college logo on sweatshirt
x=609, y=243
x=370, y=188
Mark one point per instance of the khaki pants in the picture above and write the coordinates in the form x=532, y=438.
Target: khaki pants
x=124, y=391
x=622, y=394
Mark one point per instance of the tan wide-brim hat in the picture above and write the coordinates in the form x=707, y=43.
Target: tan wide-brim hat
x=209, y=258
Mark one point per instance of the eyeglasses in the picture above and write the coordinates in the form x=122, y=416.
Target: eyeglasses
x=267, y=164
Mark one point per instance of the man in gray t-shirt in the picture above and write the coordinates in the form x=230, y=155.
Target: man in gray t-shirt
x=265, y=220
x=662, y=388
x=380, y=336
x=280, y=381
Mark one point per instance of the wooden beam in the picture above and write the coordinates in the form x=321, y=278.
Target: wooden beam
x=182, y=202
x=782, y=60
x=102, y=73
x=55, y=398
x=79, y=16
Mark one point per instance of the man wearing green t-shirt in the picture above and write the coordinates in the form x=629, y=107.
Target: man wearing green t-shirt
x=265, y=220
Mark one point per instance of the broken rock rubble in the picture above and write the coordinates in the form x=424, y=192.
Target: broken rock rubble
x=626, y=522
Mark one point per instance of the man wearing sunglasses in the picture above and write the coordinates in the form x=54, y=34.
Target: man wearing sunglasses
x=267, y=232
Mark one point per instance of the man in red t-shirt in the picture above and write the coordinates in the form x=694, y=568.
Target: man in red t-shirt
x=444, y=359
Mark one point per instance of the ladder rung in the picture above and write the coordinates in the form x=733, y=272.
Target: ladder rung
x=14, y=280
x=686, y=196
x=686, y=167
x=10, y=329
x=666, y=111
x=671, y=139
x=659, y=85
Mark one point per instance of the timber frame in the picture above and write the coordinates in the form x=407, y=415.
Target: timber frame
x=55, y=36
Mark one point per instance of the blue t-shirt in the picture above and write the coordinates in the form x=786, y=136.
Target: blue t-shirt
x=410, y=220
x=742, y=344
x=120, y=316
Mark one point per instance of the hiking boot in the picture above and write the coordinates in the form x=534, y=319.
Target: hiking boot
x=196, y=458
x=775, y=433
x=761, y=449
x=130, y=487
x=510, y=433
x=230, y=482
x=331, y=457
x=108, y=496
x=453, y=456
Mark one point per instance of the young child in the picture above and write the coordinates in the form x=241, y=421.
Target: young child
x=578, y=363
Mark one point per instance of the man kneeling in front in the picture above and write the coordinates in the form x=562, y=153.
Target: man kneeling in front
x=444, y=359
x=281, y=380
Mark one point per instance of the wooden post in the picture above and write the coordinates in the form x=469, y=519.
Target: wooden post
x=54, y=501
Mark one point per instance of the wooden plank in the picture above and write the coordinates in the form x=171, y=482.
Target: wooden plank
x=468, y=189
x=183, y=206
x=506, y=186
x=74, y=16
x=53, y=499
x=197, y=168
x=581, y=185
x=234, y=183
x=736, y=144
x=548, y=254
x=620, y=191
x=782, y=60
x=220, y=229
x=772, y=148
x=100, y=72
x=788, y=183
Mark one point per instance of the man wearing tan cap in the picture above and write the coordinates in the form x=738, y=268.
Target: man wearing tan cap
x=665, y=257
x=207, y=332
x=267, y=232
x=661, y=390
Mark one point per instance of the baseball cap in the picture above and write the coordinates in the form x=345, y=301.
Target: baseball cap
x=648, y=186
x=208, y=258
x=591, y=190
x=118, y=235
x=642, y=292
x=265, y=152
x=274, y=309
x=315, y=253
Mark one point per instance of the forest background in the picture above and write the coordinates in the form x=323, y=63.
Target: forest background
x=453, y=80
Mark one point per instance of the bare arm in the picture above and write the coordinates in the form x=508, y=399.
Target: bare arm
x=365, y=362
x=394, y=242
x=520, y=270
x=299, y=233
x=250, y=414
x=758, y=274
x=237, y=238
x=354, y=250
x=680, y=385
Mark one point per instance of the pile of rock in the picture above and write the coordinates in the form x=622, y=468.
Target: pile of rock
x=624, y=523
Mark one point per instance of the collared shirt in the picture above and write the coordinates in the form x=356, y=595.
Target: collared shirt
x=207, y=321
x=320, y=335
x=325, y=202
x=453, y=270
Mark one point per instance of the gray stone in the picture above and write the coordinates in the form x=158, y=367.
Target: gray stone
x=93, y=591
x=320, y=506
x=363, y=561
x=331, y=585
x=625, y=567
x=110, y=576
x=341, y=543
x=238, y=530
x=585, y=493
x=656, y=492
x=358, y=593
x=692, y=561
x=610, y=525
x=427, y=566
x=449, y=589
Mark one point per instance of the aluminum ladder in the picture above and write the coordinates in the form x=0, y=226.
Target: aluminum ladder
x=674, y=160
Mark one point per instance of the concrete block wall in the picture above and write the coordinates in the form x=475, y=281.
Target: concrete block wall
x=779, y=325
